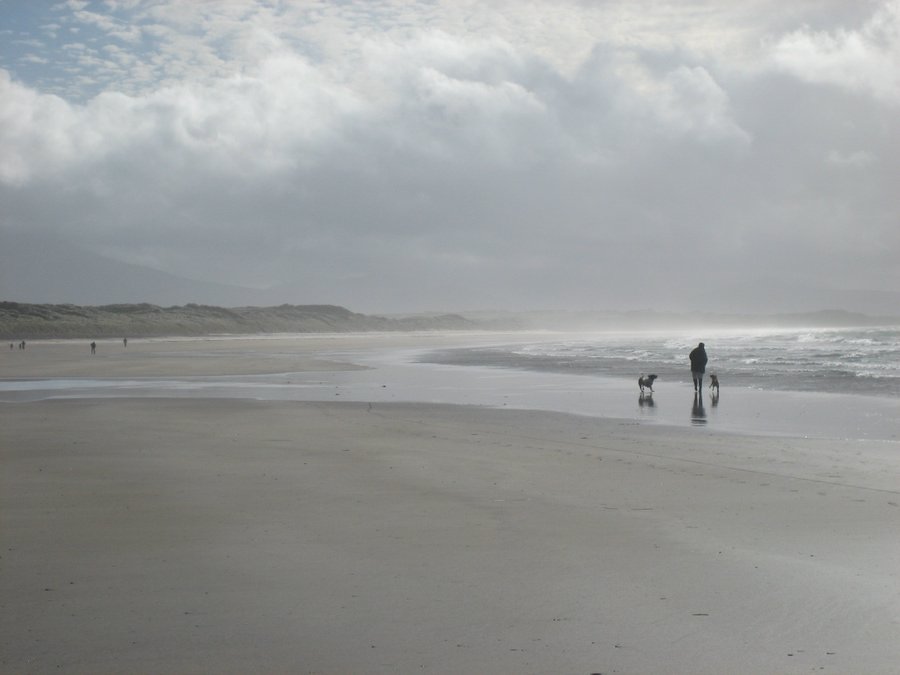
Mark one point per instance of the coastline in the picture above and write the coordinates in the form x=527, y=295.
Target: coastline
x=387, y=367
x=169, y=530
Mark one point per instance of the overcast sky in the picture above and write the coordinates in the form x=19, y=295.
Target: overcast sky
x=452, y=154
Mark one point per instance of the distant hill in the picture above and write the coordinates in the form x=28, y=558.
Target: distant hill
x=28, y=321
x=44, y=269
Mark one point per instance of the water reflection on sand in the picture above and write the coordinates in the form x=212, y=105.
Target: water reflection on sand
x=698, y=412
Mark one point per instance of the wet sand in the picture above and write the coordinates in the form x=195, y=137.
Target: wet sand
x=385, y=367
x=178, y=535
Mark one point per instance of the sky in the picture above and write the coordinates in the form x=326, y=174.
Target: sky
x=450, y=155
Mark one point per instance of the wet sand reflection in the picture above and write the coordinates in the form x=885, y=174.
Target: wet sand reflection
x=698, y=412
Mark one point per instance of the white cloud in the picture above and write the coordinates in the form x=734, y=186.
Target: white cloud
x=866, y=59
x=108, y=24
x=434, y=92
x=51, y=29
x=34, y=44
x=856, y=160
x=533, y=145
x=34, y=58
x=34, y=131
x=687, y=101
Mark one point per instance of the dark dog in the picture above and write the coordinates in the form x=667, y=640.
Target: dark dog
x=646, y=381
x=714, y=382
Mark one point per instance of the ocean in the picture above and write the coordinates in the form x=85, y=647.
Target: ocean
x=862, y=361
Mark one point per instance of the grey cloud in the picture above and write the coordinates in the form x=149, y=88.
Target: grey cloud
x=446, y=172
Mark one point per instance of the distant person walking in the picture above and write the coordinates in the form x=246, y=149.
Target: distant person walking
x=124, y=342
x=698, y=366
x=93, y=348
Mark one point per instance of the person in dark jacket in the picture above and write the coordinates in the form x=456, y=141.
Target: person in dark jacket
x=698, y=366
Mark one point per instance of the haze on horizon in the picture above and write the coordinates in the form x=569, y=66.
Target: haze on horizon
x=396, y=155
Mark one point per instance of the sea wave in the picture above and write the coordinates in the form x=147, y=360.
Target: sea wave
x=862, y=361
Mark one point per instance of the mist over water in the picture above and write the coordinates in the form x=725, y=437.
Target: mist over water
x=847, y=360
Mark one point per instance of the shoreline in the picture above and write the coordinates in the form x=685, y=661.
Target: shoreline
x=385, y=367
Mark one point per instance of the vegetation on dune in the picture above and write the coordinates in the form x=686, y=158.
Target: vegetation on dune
x=28, y=321
x=20, y=321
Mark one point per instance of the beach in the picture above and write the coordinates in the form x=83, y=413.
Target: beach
x=299, y=505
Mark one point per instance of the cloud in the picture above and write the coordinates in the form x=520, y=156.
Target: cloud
x=434, y=95
x=34, y=58
x=365, y=152
x=854, y=160
x=866, y=59
x=684, y=101
x=34, y=132
x=108, y=25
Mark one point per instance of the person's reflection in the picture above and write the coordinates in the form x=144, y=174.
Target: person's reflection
x=646, y=402
x=698, y=413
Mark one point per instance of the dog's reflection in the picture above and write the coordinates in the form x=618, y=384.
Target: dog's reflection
x=646, y=400
x=698, y=412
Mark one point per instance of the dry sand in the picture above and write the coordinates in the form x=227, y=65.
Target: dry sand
x=191, y=535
